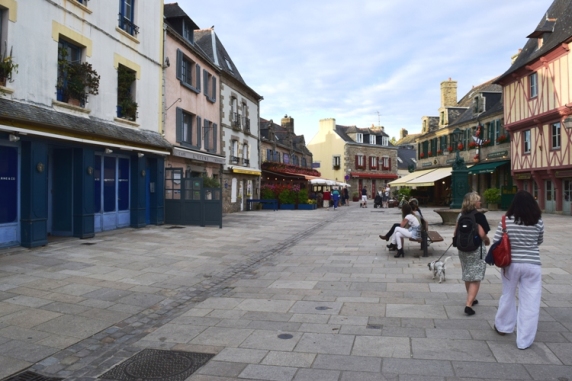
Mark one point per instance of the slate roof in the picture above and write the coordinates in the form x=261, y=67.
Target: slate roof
x=561, y=10
x=172, y=10
x=13, y=111
x=343, y=132
x=493, y=104
x=407, y=154
x=410, y=138
x=204, y=38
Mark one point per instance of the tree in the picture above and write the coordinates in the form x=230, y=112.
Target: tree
x=393, y=140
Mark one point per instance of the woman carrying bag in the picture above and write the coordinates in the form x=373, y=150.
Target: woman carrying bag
x=525, y=230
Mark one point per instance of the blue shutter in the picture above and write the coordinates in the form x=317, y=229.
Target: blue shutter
x=198, y=68
x=179, y=125
x=213, y=97
x=206, y=127
x=198, y=133
x=179, y=64
x=206, y=83
x=214, y=137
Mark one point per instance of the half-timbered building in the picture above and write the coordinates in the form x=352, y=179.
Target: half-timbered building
x=537, y=91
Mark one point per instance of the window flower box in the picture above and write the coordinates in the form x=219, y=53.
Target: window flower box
x=472, y=145
x=460, y=146
x=502, y=139
x=422, y=155
x=429, y=154
x=450, y=149
x=439, y=152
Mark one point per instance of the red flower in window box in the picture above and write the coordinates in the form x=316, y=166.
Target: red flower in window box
x=486, y=143
x=421, y=155
x=502, y=139
x=439, y=152
x=429, y=154
x=450, y=149
x=460, y=146
x=472, y=145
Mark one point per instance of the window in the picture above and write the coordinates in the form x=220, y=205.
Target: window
x=269, y=155
x=234, y=152
x=371, y=139
x=234, y=115
x=372, y=162
x=126, y=17
x=188, y=72
x=359, y=138
x=245, y=120
x=187, y=31
x=188, y=131
x=304, y=164
x=384, y=141
x=555, y=131
x=277, y=156
x=286, y=158
x=210, y=135
x=360, y=161
x=68, y=54
x=126, y=105
x=442, y=117
x=295, y=160
x=526, y=141
x=209, y=86
x=385, y=163
x=245, y=155
x=336, y=162
x=533, y=85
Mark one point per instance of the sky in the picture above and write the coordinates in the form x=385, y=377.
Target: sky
x=365, y=62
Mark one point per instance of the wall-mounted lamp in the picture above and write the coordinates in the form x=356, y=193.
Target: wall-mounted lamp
x=167, y=62
x=568, y=122
x=108, y=151
x=140, y=154
x=13, y=138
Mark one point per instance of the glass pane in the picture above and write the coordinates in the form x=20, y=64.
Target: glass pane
x=196, y=195
x=8, y=184
x=216, y=194
x=123, y=179
x=176, y=195
x=168, y=194
x=168, y=184
x=196, y=184
x=109, y=184
x=97, y=185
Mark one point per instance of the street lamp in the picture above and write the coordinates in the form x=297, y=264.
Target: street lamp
x=459, y=174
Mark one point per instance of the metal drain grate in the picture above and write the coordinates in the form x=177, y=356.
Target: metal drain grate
x=154, y=364
x=175, y=227
x=31, y=376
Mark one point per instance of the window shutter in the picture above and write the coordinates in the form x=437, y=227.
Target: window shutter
x=206, y=128
x=357, y=161
x=213, y=97
x=206, y=83
x=179, y=64
x=389, y=164
x=214, y=148
x=198, y=133
x=198, y=69
x=179, y=124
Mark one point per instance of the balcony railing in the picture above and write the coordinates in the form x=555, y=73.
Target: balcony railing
x=236, y=120
x=246, y=124
x=234, y=159
x=246, y=162
x=128, y=26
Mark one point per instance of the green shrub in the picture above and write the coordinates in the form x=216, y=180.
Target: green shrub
x=303, y=196
x=287, y=196
x=492, y=195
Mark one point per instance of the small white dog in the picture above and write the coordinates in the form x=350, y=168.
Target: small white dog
x=438, y=268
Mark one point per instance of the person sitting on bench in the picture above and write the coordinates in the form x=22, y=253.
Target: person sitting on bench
x=414, y=210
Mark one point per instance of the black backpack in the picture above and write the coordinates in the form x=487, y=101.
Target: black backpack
x=467, y=233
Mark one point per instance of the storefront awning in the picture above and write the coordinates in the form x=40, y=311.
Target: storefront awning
x=374, y=175
x=198, y=156
x=403, y=181
x=486, y=167
x=245, y=171
x=428, y=180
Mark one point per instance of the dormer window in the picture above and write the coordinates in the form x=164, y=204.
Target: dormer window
x=187, y=31
x=384, y=141
x=359, y=138
x=442, y=117
x=371, y=139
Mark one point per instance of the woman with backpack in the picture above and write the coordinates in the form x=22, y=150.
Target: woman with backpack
x=525, y=231
x=470, y=239
x=409, y=228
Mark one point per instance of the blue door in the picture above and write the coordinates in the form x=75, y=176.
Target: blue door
x=9, y=227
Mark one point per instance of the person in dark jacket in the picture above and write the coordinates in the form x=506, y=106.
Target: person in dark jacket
x=363, y=203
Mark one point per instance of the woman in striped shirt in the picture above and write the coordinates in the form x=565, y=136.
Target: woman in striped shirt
x=526, y=232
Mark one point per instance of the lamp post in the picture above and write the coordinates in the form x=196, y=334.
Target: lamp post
x=459, y=175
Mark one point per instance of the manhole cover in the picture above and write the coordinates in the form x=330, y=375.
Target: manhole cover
x=175, y=227
x=31, y=376
x=323, y=308
x=155, y=364
x=285, y=336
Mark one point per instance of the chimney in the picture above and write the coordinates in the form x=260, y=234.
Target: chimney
x=513, y=58
x=402, y=133
x=288, y=123
x=449, y=93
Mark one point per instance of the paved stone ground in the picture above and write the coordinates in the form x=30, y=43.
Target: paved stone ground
x=76, y=308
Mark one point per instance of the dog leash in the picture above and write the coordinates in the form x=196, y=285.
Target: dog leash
x=444, y=253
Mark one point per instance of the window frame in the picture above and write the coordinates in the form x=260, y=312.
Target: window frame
x=361, y=161
x=359, y=137
x=194, y=134
x=209, y=130
x=526, y=141
x=195, y=83
x=385, y=162
x=372, y=139
x=209, y=86
x=555, y=136
x=127, y=17
x=74, y=55
x=533, y=85
x=336, y=161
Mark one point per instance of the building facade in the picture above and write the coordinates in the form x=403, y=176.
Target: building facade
x=81, y=149
x=240, y=132
x=538, y=110
x=361, y=157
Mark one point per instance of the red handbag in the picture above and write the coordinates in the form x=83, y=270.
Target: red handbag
x=501, y=249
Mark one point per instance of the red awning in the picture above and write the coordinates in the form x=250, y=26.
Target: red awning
x=389, y=176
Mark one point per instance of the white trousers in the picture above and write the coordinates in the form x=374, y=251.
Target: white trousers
x=398, y=234
x=527, y=277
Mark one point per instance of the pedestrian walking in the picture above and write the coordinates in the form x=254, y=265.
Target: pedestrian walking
x=472, y=264
x=385, y=197
x=335, y=197
x=363, y=203
x=525, y=230
x=346, y=195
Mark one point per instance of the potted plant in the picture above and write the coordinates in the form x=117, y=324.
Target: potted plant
x=287, y=199
x=486, y=143
x=439, y=152
x=450, y=149
x=460, y=146
x=76, y=80
x=355, y=197
x=7, y=67
x=502, y=139
x=429, y=154
x=472, y=145
x=421, y=155
x=126, y=106
x=303, y=201
x=493, y=197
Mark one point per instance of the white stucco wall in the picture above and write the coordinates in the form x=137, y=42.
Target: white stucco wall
x=34, y=37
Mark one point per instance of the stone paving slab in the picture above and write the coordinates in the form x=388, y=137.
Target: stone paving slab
x=344, y=307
